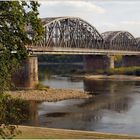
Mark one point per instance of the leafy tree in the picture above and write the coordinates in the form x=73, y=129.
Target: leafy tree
x=19, y=26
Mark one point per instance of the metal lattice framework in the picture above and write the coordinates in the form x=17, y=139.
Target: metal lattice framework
x=138, y=41
x=70, y=35
x=69, y=32
x=120, y=40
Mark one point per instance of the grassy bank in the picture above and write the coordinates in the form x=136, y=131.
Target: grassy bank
x=121, y=71
x=49, y=133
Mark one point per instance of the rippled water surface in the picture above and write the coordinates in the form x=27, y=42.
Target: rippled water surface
x=115, y=107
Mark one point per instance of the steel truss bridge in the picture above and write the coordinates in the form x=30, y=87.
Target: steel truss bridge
x=70, y=35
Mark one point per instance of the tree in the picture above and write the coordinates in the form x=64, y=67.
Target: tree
x=17, y=19
x=19, y=26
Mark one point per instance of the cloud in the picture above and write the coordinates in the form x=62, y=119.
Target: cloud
x=105, y=15
x=132, y=23
x=131, y=26
x=83, y=6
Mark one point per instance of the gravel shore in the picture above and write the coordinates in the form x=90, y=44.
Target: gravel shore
x=113, y=77
x=50, y=95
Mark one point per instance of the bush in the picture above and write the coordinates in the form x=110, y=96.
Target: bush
x=41, y=87
x=121, y=71
x=8, y=131
x=12, y=112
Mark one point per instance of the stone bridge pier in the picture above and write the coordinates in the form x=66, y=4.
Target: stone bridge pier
x=130, y=60
x=92, y=63
x=27, y=76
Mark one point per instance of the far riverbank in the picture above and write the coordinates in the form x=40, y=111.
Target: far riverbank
x=54, y=95
x=113, y=77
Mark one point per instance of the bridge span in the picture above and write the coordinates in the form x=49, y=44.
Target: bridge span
x=75, y=36
x=80, y=51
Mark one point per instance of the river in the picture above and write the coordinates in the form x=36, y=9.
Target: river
x=114, y=109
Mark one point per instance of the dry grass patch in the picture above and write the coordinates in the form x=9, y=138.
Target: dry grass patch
x=43, y=133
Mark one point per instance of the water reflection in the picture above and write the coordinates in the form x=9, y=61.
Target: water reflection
x=33, y=113
x=47, y=70
x=108, y=87
x=115, y=108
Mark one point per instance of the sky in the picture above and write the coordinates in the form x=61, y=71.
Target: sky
x=104, y=15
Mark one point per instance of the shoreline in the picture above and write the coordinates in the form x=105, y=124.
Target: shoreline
x=50, y=94
x=112, y=77
x=42, y=132
x=54, y=95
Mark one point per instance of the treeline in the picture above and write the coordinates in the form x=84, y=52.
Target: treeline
x=135, y=70
x=61, y=58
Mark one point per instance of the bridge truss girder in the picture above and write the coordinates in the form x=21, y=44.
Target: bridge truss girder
x=120, y=40
x=70, y=33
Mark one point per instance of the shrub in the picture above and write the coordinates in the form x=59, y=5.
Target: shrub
x=41, y=87
x=121, y=71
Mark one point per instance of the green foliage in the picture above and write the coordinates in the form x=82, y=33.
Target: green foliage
x=41, y=87
x=9, y=131
x=16, y=20
x=13, y=111
x=122, y=71
x=15, y=35
x=8, y=63
x=118, y=58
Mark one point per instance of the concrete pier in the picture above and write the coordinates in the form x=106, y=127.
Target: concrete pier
x=27, y=76
x=92, y=63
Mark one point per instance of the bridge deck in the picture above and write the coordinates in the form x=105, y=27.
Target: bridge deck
x=78, y=51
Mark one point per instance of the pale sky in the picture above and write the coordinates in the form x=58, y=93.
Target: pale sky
x=104, y=15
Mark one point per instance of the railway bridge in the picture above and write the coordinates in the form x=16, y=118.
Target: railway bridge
x=75, y=36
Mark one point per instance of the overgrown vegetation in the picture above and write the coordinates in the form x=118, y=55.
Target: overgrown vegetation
x=121, y=71
x=15, y=19
x=41, y=87
x=14, y=36
x=9, y=131
x=14, y=111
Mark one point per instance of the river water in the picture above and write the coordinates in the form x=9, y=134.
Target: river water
x=114, y=109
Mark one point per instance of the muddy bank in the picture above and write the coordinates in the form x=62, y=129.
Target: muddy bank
x=113, y=77
x=50, y=95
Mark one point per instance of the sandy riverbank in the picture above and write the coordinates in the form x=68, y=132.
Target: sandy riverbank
x=50, y=95
x=113, y=77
